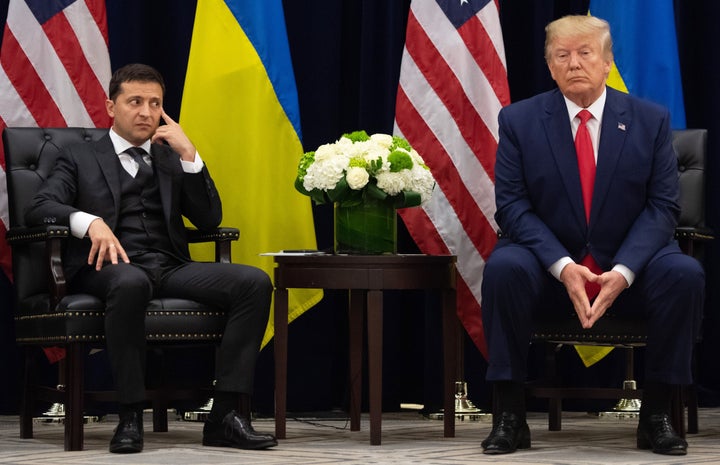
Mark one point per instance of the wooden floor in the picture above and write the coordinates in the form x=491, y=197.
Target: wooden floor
x=407, y=438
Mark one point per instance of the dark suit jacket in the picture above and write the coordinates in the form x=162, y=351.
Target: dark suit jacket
x=86, y=178
x=537, y=184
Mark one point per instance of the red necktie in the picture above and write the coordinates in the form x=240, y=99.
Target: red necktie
x=586, y=165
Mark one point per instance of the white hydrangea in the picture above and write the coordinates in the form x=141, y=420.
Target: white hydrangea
x=324, y=174
x=392, y=183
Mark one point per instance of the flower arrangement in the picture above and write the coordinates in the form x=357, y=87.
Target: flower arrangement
x=359, y=167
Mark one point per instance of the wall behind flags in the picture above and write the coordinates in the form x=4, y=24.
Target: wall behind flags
x=346, y=56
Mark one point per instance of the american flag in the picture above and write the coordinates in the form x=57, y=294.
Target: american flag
x=54, y=69
x=453, y=83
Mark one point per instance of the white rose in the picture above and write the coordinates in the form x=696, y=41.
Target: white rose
x=383, y=140
x=357, y=177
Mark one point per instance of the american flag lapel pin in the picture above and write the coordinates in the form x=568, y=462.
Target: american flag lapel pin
x=621, y=126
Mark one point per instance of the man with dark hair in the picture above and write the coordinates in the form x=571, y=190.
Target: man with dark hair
x=124, y=198
x=587, y=225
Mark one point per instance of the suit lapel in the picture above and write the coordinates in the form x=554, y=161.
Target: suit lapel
x=109, y=163
x=615, y=125
x=559, y=135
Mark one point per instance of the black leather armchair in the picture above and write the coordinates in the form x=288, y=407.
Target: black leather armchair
x=45, y=315
x=627, y=334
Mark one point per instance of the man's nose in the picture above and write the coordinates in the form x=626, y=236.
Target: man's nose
x=574, y=60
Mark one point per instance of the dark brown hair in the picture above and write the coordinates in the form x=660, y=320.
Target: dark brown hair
x=134, y=72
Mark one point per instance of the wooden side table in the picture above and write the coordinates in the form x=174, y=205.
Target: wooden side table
x=366, y=277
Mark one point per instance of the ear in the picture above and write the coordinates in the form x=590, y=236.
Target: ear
x=110, y=108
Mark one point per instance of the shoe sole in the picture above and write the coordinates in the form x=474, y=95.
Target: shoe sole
x=125, y=449
x=259, y=445
x=645, y=444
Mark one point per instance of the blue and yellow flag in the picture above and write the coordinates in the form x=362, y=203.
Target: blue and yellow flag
x=646, y=65
x=240, y=109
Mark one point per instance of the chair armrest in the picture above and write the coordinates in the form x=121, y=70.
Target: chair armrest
x=693, y=233
x=18, y=236
x=688, y=236
x=222, y=238
x=53, y=236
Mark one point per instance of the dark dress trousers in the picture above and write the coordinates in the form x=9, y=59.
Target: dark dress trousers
x=633, y=216
x=146, y=214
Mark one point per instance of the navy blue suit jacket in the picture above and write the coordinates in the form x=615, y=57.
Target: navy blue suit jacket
x=537, y=184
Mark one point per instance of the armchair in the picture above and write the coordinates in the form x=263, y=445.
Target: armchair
x=46, y=315
x=623, y=333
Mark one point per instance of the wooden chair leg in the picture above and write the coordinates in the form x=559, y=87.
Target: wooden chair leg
x=555, y=414
x=74, y=393
x=28, y=397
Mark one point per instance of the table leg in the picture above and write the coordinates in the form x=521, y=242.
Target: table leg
x=356, y=308
x=450, y=337
x=280, y=350
x=375, y=343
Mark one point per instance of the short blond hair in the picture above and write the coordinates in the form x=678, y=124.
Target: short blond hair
x=579, y=25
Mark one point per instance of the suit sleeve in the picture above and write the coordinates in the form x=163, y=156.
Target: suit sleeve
x=53, y=203
x=654, y=227
x=200, y=200
x=514, y=215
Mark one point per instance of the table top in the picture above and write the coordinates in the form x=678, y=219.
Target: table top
x=392, y=271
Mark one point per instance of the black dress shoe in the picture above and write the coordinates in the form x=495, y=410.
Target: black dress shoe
x=509, y=433
x=128, y=437
x=656, y=433
x=235, y=431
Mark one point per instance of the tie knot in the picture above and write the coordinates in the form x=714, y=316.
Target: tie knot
x=584, y=116
x=136, y=153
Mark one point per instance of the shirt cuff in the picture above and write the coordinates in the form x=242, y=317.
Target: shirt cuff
x=626, y=272
x=193, y=167
x=80, y=222
x=557, y=267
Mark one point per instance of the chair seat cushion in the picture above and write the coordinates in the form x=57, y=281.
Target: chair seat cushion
x=608, y=330
x=80, y=318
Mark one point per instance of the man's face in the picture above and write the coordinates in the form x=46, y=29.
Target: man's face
x=579, y=68
x=136, y=110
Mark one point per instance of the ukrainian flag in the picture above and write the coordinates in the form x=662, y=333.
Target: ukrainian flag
x=646, y=52
x=240, y=109
x=646, y=65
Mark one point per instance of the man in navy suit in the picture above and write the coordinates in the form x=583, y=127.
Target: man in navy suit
x=562, y=235
x=124, y=198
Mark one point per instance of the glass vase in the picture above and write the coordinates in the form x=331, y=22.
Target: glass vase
x=366, y=229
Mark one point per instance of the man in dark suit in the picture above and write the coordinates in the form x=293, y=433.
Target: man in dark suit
x=124, y=198
x=562, y=230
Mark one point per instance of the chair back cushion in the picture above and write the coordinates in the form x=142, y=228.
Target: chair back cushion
x=691, y=148
x=30, y=155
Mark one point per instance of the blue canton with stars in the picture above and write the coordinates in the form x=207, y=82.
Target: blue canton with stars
x=459, y=11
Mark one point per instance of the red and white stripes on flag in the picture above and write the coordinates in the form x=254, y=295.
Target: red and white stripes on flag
x=453, y=83
x=54, y=69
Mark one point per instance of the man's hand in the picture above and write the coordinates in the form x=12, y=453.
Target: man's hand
x=574, y=277
x=105, y=246
x=172, y=133
x=611, y=283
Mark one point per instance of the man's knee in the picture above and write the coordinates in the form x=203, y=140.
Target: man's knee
x=508, y=267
